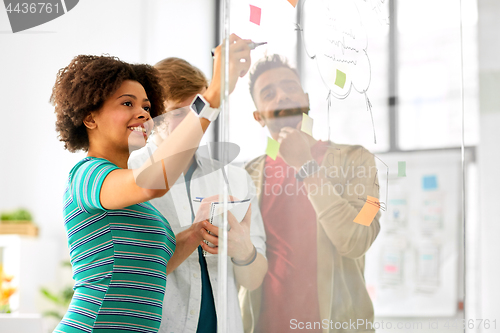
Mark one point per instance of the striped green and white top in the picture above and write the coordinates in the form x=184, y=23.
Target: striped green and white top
x=119, y=257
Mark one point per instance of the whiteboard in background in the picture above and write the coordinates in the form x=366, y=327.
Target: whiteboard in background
x=412, y=267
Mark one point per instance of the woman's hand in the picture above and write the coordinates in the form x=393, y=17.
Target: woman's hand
x=186, y=243
x=239, y=245
x=193, y=235
x=239, y=64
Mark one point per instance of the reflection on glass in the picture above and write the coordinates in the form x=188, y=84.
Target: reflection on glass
x=354, y=226
x=309, y=195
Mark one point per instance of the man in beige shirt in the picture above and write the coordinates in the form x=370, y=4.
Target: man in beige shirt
x=309, y=196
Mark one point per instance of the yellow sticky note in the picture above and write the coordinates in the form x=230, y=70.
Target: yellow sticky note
x=368, y=212
x=307, y=124
x=272, y=149
x=340, y=79
x=293, y=2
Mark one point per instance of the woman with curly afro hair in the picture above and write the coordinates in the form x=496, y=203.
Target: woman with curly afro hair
x=119, y=243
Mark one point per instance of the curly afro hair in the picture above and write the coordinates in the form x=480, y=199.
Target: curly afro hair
x=85, y=84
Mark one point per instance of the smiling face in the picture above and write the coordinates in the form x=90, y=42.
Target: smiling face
x=123, y=122
x=280, y=99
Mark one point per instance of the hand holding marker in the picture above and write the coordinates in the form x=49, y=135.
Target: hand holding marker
x=251, y=45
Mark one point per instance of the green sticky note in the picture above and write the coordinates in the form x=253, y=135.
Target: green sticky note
x=307, y=124
x=401, y=169
x=272, y=149
x=340, y=79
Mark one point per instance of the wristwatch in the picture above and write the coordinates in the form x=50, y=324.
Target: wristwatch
x=202, y=108
x=309, y=168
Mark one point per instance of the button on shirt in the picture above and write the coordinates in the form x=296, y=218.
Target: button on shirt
x=182, y=302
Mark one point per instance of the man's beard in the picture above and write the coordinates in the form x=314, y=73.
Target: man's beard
x=286, y=118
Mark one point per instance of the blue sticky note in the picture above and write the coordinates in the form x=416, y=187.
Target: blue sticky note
x=429, y=183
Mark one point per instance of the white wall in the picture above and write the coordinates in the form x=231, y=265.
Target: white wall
x=33, y=163
x=489, y=158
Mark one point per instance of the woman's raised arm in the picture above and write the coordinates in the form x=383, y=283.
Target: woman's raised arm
x=123, y=188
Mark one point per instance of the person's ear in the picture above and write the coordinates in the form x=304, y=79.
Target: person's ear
x=256, y=116
x=89, y=121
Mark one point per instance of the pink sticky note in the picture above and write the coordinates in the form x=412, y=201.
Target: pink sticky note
x=391, y=268
x=255, y=14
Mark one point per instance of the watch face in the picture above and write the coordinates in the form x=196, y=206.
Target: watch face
x=198, y=104
x=310, y=168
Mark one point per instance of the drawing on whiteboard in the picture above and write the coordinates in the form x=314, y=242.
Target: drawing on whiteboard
x=426, y=218
x=391, y=272
x=379, y=9
x=428, y=267
x=334, y=36
x=397, y=214
x=432, y=213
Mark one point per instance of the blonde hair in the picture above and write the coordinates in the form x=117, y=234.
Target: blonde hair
x=180, y=79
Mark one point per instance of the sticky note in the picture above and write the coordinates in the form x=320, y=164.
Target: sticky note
x=255, y=14
x=368, y=212
x=372, y=291
x=293, y=2
x=391, y=268
x=340, y=79
x=401, y=169
x=429, y=183
x=272, y=149
x=307, y=124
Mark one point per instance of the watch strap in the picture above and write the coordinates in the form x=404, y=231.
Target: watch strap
x=202, y=108
x=309, y=168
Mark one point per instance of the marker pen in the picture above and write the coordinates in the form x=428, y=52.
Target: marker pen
x=251, y=45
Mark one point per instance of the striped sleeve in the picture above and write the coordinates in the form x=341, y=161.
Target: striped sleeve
x=87, y=179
